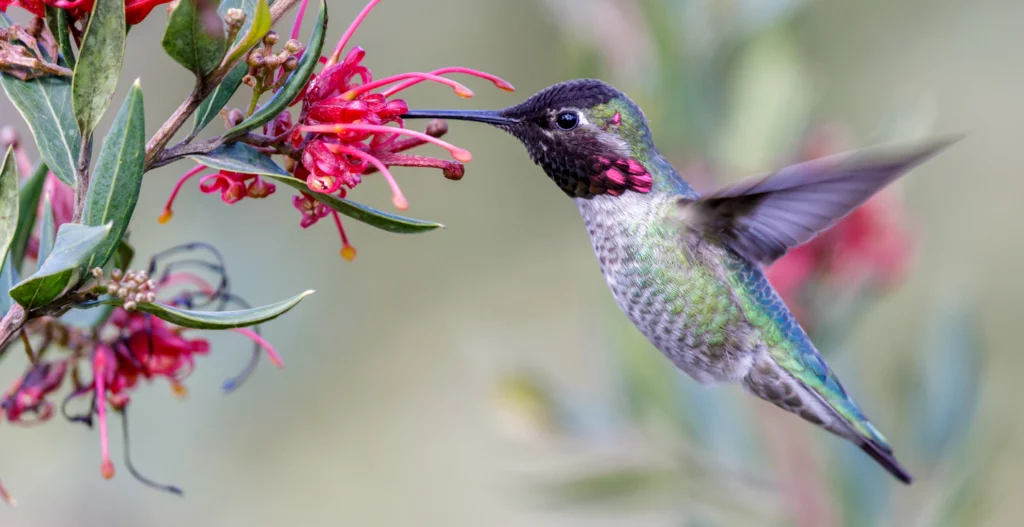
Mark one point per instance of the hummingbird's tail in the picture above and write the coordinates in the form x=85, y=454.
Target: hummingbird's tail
x=883, y=455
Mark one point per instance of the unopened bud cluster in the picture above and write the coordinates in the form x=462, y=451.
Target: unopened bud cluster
x=134, y=287
x=264, y=62
x=234, y=19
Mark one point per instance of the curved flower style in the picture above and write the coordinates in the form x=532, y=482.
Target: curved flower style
x=127, y=348
x=348, y=127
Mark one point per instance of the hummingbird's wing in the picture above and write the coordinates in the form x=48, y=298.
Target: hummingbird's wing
x=763, y=217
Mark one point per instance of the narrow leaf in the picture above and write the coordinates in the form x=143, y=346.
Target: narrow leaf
x=28, y=205
x=45, y=104
x=99, y=64
x=8, y=277
x=8, y=203
x=295, y=83
x=47, y=232
x=242, y=158
x=219, y=319
x=213, y=104
x=223, y=92
x=257, y=30
x=195, y=36
x=117, y=178
x=358, y=211
x=74, y=247
x=57, y=21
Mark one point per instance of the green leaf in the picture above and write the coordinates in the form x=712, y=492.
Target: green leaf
x=45, y=104
x=195, y=36
x=211, y=107
x=358, y=211
x=74, y=247
x=124, y=255
x=28, y=205
x=8, y=203
x=242, y=158
x=57, y=20
x=117, y=178
x=223, y=92
x=259, y=27
x=219, y=319
x=99, y=63
x=46, y=231
x=8, y=277
x=295, y=83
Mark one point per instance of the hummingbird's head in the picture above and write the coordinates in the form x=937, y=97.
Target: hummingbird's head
x=588, y=137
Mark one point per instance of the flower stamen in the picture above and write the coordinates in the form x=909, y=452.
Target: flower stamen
x=271, y=352
x=397, y=198
x=168, y=213
x=502, y=84
x=347, y=251
x=458, y=153
x=99, y=371
x=460, y=89
x=349, y=32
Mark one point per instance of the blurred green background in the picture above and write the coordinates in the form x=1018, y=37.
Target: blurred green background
x=482, y=375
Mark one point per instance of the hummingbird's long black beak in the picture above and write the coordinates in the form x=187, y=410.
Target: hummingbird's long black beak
x=480, y=116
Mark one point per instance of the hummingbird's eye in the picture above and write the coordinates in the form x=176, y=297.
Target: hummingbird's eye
x=567, y=120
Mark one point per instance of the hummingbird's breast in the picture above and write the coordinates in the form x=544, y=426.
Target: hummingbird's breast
x=672, y=283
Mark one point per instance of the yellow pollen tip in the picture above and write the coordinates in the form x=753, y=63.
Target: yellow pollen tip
x=505, y=86
x=462, y=155
x=400, y=202
x=165, y=217
x=348, y=253
x=107, y=470
x=464, y=92
x=179, y=390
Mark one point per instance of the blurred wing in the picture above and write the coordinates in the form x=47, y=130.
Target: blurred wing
x=763, y=217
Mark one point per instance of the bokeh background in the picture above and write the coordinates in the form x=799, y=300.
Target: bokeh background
x=482, y=375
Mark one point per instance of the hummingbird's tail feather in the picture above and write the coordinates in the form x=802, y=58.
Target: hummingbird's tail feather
x=883, y=455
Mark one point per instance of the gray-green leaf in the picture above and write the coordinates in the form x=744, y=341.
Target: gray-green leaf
x=74, y=247
x=241, y=158
x=99, y=63
x=28, y=205
x=117, y=178
x=358, y=211
x=195, y=36
x=57, y=21
x=8, y=203
x=47, y=232
x=219, y=319
x=45, y=104
x=295, y=83
x=8, y=277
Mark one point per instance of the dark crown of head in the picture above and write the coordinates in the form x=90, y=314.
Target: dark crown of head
x=580, y=93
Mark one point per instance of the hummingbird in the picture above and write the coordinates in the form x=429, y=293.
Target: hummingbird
x=685, y=267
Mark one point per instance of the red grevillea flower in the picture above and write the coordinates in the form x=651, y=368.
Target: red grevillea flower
x=350, y=126
x=232, y=186
x=36, y=7
x=128, y=348
x=871, y=247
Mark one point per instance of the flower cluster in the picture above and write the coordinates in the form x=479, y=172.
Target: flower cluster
x=106, y=364
x=349, y=126
x=870, y=248
x=135, y=11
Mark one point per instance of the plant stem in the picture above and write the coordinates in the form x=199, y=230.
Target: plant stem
x=11, y=324
x=82, y=177
x=203, y=88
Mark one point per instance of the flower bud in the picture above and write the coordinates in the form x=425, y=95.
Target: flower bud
x=270, y=38
x=293, y=46
x=291, y=64
x=116, y=274
x=256, y=58
x=249, y=80
x=235, y=117
x=234, y=18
